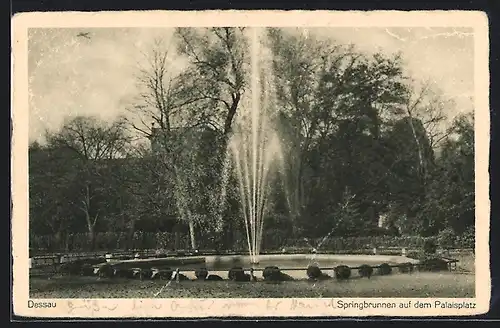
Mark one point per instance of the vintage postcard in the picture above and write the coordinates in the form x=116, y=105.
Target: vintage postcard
x=250, y=164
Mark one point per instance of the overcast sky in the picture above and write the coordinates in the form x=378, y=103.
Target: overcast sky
x=72, y=75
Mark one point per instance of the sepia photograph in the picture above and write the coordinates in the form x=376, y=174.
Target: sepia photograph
x=335, y=162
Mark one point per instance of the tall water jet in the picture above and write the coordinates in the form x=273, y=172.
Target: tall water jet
x=255, y=147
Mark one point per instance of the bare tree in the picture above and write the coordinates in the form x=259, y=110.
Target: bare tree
x=428, y=105
x=92, y=143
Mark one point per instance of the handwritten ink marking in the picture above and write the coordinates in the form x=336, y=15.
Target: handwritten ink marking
x=90, y=305
x=201, y=305
x=94, y=306
x=71, y=307
x=297, y=305
x=41, y=305
x=111, y=308
x=193, y=306
x=174, y=306
x=236, y=304
x=330, y=304
x=157, y=306
x=273, y=306
x=136, y=305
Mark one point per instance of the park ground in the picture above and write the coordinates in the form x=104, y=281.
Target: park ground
x=458, y=283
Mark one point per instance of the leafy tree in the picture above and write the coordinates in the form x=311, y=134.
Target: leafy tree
x=189, y=106
x=412, y=158
x=49, y=210
x=451, y=194
x=334, y=102
x=217, y=74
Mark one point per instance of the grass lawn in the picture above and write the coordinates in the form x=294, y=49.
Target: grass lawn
x=417, y=284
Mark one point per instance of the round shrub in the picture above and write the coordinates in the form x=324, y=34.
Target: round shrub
x=405, y=267
x=70, y=268
x=430, y=246
x=313, y=272
x=365, y=271
x=136, y=273
x=271, y=273
x=87, y=270
x=433, y=265
x=122, y=273
x=384, y=269
x=201, y=273
x=106, y=271
x=342, y=272
x=145, y=274
x=236, y=274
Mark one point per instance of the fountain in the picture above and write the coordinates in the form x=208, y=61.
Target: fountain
x=255, y=153
x=255, y=147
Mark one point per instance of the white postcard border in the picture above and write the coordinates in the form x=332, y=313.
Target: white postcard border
x=197, y=308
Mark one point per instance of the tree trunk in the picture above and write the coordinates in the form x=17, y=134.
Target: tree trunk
x=66, y=241
x=192, y=234
x=130, y=236
x=92, y=237
x=176, y=240
x=58, y=241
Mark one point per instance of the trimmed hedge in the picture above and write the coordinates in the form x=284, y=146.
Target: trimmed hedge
x=109, y=241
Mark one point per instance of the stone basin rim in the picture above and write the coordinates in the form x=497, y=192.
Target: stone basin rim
x=228, y=259
x=313, y=257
